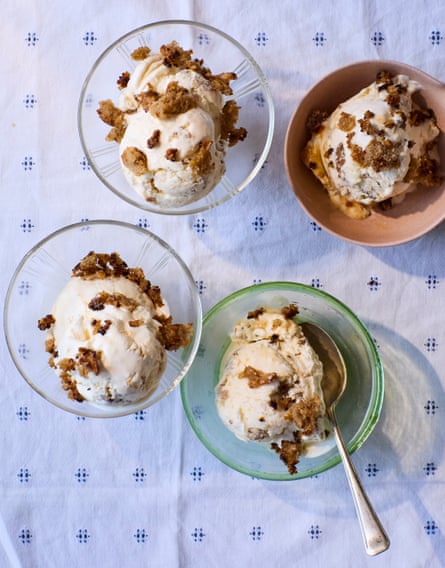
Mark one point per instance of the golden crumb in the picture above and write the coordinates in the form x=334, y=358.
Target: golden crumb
x=346, y=122
x=173, y=336
x=200, y=158
x=100, y=327
x=174, y=55
x=304, y=414
x=117, y=300
x=123, y=79
x=46, y=322
x=255, y=313
x=289, y=452
x=256, y=377
x=221, y=82
x=50, y=345
x=230, y=114
x=147, y=98
x=140, y=53
x=172, y=154
x=68, y=383
x=135, y=160
x=176, y=100
x=101, y=265
x=87, y=361
x=315, y=121
x=290, y=311
x=114, y=117
x=154, y=139
x=97, y=265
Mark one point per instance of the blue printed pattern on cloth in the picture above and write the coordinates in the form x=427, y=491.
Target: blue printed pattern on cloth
x=145, y=481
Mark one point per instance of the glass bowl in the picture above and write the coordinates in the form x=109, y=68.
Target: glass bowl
x=419, y=212
x=220, y=53
x=46, y=269
x=358, y=411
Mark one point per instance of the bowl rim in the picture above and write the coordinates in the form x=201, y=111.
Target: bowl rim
x=119, y=411
x=288, y=157
x=144, y=205
x=375, y=404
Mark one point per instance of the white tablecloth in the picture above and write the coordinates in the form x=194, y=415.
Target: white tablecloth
x=142, y=490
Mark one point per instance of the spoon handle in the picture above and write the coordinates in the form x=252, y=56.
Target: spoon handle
x=374, y=535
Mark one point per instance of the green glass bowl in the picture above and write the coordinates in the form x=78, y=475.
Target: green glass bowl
x=357, y=412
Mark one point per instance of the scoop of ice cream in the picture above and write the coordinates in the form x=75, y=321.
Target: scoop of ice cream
x=173, y=125
x=270, y=385
x=108, y=333
x=374, y=146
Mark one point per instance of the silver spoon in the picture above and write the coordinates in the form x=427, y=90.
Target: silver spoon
x=333, y=385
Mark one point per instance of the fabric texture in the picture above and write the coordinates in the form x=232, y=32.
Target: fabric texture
x=142, y=490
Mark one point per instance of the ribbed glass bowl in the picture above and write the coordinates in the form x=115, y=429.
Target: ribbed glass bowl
x=357, y=412
x=220, y=53
x=44, y=272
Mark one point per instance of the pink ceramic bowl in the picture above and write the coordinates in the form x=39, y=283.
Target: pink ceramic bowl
x=420, y=211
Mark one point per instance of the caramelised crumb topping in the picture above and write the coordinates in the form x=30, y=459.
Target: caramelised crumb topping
x=172, y=154
x=173, y=336
x=200, y=159
x=117, y=300
x=140, y=53
x=289, y=452
x=419, y=115
x=87, y=361
x=114, y=117
x=346, y=121
x=46, y=322
x=100, y=327
x=314, y=123
x=290, y=311
x=154, y=139
x=50, y=346
x=176, y=99
x=230, y=114
x=66, y=366
x=305, y=413
x=255, y=313
x=122, y=82
x=135, y=160
x=380, y=154
x=257, y=378
x=424, y=170
x=175, y=56
x=147, y=98
x=102, y=265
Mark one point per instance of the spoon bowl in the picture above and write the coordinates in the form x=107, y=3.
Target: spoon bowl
x=333, y=386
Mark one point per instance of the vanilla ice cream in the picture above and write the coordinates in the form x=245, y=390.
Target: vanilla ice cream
x=108, y=333
x=375, y=146
x=270, y=385
x=173, y=124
